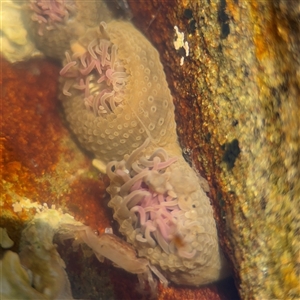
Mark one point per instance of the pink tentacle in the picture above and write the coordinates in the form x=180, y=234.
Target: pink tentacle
x=141, y=212
x=88, y=70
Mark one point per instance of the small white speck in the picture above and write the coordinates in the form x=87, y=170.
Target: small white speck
x=108, y=230
x=186, y=48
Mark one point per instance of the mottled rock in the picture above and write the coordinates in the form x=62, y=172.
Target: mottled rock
x=240, y=81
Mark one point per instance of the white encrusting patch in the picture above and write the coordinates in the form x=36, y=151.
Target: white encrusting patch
x=179, y=42
x=25, y=203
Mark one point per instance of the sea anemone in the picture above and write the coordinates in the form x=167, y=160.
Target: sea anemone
x=48, y=13
x=97, y=73
x=118, y=104
x=149, y=199
x=53, y=24
x=163, y=211
x=114, y=92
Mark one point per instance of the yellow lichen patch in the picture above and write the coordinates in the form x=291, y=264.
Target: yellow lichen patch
x=264, y=30
x=233, y=10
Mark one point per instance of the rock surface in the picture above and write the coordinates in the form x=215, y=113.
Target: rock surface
x=236, y=97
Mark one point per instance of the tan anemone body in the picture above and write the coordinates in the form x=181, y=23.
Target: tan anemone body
x=147, y=109
x=146, y=113
x=195, y=232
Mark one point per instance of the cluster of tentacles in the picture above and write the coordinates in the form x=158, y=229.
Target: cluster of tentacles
x=149, y=199
x=96, y=72
x=50, y=12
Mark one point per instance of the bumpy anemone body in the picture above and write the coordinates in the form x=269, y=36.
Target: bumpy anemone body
x=54, y=23
x=164, y=212
x=115, y=93
x=118, y=104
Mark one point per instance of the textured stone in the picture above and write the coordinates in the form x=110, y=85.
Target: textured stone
x=240, y=81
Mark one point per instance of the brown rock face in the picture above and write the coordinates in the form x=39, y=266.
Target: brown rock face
x=236, y=102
